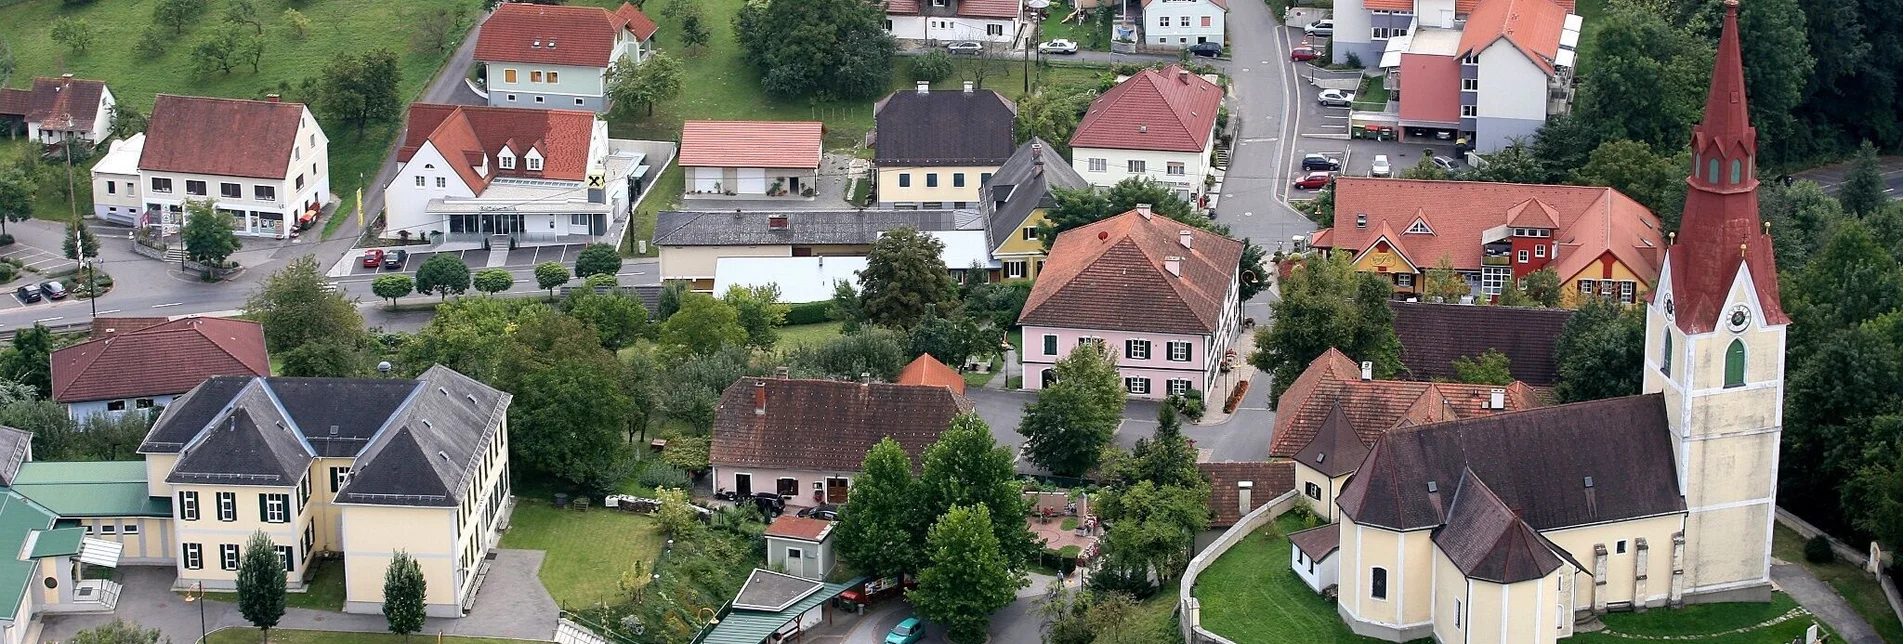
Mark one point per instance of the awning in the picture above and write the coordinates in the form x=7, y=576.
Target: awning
x=100, y=552
x=1391, y=57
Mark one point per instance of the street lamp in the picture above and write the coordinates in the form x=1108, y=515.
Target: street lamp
x=197, y=596
x=1037, y=19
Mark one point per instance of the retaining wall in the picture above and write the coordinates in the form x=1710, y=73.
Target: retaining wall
x=1189, y=606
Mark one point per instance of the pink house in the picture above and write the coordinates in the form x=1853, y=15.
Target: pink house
x=1158, y=294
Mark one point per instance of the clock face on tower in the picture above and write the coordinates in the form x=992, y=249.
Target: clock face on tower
x=1739, y=317
x=1669, y=307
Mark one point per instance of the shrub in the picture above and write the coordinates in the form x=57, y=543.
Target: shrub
x=6, y=239
x=688, y=453
x=932, y=67
x=659, y=474
x=1235, y=397
x=809, y=313
x=1817, y=550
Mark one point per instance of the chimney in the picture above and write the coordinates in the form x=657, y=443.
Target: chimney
x=1144, y=209
x=759, y=397
x=1174, y=265
x=1184, y=237
x=924, y=87
x=1497, y=399
x=780, y=372
x=273, y=98
x=1037, y=153
x=967, y=87
x=1367, y=370
x=777, y=222
x=1183, y=75
x=1243, y=489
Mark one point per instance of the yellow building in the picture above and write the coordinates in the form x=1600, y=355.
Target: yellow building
x=936, y=149
x=1016, y=200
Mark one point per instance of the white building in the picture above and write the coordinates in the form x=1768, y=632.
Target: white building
x=801, y=546
x=1312, y=555
x=116, y=182
x=556, y=57
x=940, y=21
x=1181, y=23
x=266, y=164
x=60, y=108
x=1160, y=123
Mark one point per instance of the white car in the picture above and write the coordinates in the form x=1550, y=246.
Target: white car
x=1320, y=28
x=972, y=47
x=1059, y=46
x=1447, y=164
x=1335, y=98
x=1381, y=167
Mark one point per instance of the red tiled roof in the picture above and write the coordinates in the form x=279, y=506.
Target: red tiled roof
x=223, y=137
x=1222, y=4
x=1388, y=5
x=1430, y=88
x=1373, y=407
x=751, y=144
x=989, y=8
x=15, y=102
x=1112, y=274
x=637, y=22
x=1166, y=109
x=169, y=358
x=521, y=32
x=54, y=100
x=902, y=7
x=1533, y=26
x=803, y=528
x=1591, y=221
x=926, y=370
x=825, y=425
x=107, y=326
x=466, y=134
x=1267, y=480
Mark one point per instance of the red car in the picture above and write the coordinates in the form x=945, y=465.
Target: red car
x=372, y=258
x=1314, y=181
x=1304, y=53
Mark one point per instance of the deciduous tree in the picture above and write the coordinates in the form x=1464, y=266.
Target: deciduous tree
x=177, y=14
x=1489, y=368
x=904, y=275
x=1327, y=303
x=880, y=527
x=29, y=363
x=817, y=48
x=657, y=79
x=597, y=259
x=1657, y=181
x=298, y=23
x=1075, y=416
x=1646, y=80
x=876, y=352
x=704, y=325
x=325, y=359
x=16, y=197
x=760, y=312
x=392, y=286
x=1444, y=284
x=1863, y=189
x=119, y=631
x=492, y=280
x=618, y=319
x=75, y=33
x=443, y=274
x=261, y=583
x=967, y=466
x=243, y=12
x=966, y=580
x=403, y=591
x=1600, y=352
x=566, y=423
x=933, y=66
x=207, y=234
x=360, y=89
x=549, y=275
x=296, y=306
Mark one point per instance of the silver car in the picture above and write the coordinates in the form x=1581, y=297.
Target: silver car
x=971, y=47
x=1320, y=28
x=1381, y=167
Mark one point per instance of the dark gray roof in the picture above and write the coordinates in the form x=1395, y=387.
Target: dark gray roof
x=1022, y=185
x=310, y=402
x=432, y=444
x=1538, y=461
x=190, y=413
x=253, y=443
x=944, y=128
x=772, y=591
x=1317, y=542
x=1486, y=540
x=15, y=445
x=734, y=228
x=1336, y=448
x=650, y=296
x=1434, y=335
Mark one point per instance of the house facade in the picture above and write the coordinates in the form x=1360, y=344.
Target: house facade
x=115, y=181
x=1158, y=296
x=751, y=159
x=139, y=364
x=693, y=244
x=801, y=546
x=1181, y=23
x=57, y=109
x=514, y=176
x=1600, y=242
x=1014, y=203
x=265, y=164
x=1160, y=124
x=940, y=21
x=558, y=57
x=919, y=166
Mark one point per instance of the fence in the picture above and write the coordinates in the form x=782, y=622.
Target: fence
x=1190, y=607
x=1844, y=551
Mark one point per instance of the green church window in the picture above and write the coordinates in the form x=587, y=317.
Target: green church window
x=1737, y=170
x=1734, y=364
x=1711, y=171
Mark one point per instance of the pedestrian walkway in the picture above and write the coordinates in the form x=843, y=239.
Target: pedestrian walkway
x=1818, y=598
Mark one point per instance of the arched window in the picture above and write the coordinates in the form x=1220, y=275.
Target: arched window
x=1665, y=359
x=1737, y=170
x=1734, y=364
x=1711, y=171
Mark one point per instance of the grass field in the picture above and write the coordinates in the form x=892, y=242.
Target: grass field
x=808, y=334
x=1090, y=35
x=1863, y=593
x=664, y=196
x=587, y=551
x=324, y=592
x=242, y=635
x=1706, y=624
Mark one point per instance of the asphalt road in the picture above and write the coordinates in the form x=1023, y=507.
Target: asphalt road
x=1831, y=177
x=1267, y=99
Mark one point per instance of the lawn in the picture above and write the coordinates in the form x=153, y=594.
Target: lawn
x=324, y=592
x=665, y=196
x=587, y=552
x=1373, y=94
x=1090, y=34
x=245, y=635
x=1249, y=594
x=808, y=334
x=1592, y=14
x=1863, y=593
x=1708, y=623
x=339, y=27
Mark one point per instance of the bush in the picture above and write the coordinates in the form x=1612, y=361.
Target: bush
x=932, y=67
x=1817, y=550
x=658, y=474
x=6, y=239
x=809, y=313
x=687, y=453
x=1235, y=397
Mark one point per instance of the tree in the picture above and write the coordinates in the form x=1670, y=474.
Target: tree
x=618, y=319
x=597, y=259
x=549, y=275
x=296, y=306
x=392, y=286
x=127, y=120
x=693, y=32
x=845, y=306
x=1600, y=352
x=1425, y=170
x=219, y=50
x=1632, y=168
x=1326, y=304
x=207, y=234
x=442, y=274
x=153, y=42
x=566, y=423
x=1863, y=189
x=932, y=67
x=1074, y=418
x=403, y=591
x=818, y=48
x=360, y=89
x=177, y=14
x=493, y=280
x=1444, y=284
x=436, y=28
x=1852, y=280
x=1165, y=458
x=29, y=363
x=324, y=359
x=879, y=529
x=949, y=340
x=1489, y=368
x=298, y=23
x=966, y=580
x=702, y=326
x=1544, y=288
x=904, y=275
x=876, y=352
x=16, y=196
x=243, y=12
x=1157, y=532
x=760, y=312
x=1515, y=163
x=676, y=514
x=1800, y=216
x=966, y=466
x=75, y=33
x=657, y=79
x=261, y=583
x=119, y=631
x=1647, y=80
x=80, y=239
x=1051, y=115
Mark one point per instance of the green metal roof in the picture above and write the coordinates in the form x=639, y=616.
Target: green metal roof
x=81, y=472
x=91, y=489
x=57, y=542
x=18, y=518
x=741, y=626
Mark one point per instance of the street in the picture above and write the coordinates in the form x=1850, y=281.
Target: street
x=1270, y=104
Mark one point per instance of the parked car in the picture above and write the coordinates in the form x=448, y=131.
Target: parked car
x=909, y=631
x=1059, y=46
x=1335, y=98
x=53, y=290
x=1320, y=162
x=770, y=504
x=27, y=294
x=965, y=47
x=393, y=260
x=1381, y=167
x=1206, y=49
x=372, y=258
x=1304, y=53
x=1447, y=164
x=1314, y=181
x=1320, y=28
x=824, y=511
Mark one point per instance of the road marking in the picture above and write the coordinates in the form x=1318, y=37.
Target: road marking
x=160, y=306
x=109, y=311
x=1248, y=214
x=48, y=319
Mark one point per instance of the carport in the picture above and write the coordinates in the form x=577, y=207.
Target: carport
x=772, y=604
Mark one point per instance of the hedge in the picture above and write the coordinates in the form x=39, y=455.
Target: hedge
x=810, y=313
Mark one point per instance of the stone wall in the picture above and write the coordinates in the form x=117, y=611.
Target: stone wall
x=1191, y=608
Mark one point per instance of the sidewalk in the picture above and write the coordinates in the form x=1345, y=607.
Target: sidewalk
x=1823, y=602
x=1243, y=371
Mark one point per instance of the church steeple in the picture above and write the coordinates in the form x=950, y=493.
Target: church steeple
x=1720, y=232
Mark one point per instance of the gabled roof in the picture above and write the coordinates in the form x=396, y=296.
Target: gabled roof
x=469, y=135
x=1488, y=541
x=1336, y=448
x=1434, y=335
x=1168, y=109
x=15, y=102
x=751, y=144
x=1375, y=407
x=944, y=128
x=163, y=359
x=91, y=489
x=1267, y=480
x=825, y=425
x=222, y=137
x=19, y=518
x=926, y=370
x=1023, y=184
x=1567, y=465
x=55, y=100
x=431, y=446
x=818, y=227
x=1318, y=542
x=1113, y=274
x=989, y=8
x=1592, y=220
x=1532, y=26
x=557, y=35
x=253, y=444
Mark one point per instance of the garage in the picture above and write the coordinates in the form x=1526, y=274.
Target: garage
x=706, y=179
x=752, y=181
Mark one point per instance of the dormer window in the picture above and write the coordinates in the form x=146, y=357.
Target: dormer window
x=1419, y=227
x=534, y=161
x=505, y=159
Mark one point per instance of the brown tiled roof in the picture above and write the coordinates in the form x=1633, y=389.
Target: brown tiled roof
x=1336, y=448
x=751, y=144
x=1434, y=335
x=1567, y=465
x=221, y=136
x=55, y=99
x=989, y=8
x=1318, y=542
x=111, y=325
x=1166, y=109
x=1268, y=479
x=803, y=528
x=520, y=32
x=169, y=358
x=901, y=7
x=466, y=134
x=1375, y=407
x=15, y=102
x=926, y=370
x=1533, y=26
x=825, y=425
x=1112, y=275
x=1488, y=541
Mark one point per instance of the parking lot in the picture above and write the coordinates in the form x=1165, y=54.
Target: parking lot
x=477, y=258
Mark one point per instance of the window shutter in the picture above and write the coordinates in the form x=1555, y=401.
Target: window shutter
x=1734, y=364
x=264, y=508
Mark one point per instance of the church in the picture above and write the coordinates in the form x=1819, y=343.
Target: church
x=1510, y=526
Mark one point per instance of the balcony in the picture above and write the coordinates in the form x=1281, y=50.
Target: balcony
x=1497, y=260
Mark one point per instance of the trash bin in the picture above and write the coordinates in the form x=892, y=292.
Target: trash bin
x=561, y=500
